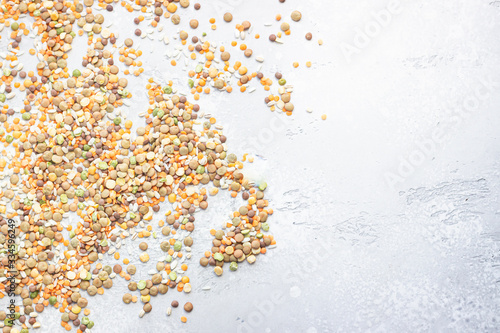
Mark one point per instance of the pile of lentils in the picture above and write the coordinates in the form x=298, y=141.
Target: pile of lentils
x=70, y=151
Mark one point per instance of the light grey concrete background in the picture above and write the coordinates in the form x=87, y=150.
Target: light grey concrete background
x=387, y=213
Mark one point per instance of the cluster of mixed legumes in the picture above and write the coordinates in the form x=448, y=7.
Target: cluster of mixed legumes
x=199, y=54
x=70, y=149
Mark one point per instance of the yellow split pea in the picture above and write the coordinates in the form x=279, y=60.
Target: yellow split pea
x=144, y=257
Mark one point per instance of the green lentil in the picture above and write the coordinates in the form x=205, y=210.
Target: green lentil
x=233, y=266
x=141, y=284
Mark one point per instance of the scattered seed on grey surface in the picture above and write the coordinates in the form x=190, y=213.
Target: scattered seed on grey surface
x=296, y=15
x=176, y=19
x=165, y=246
x=188, y=307
x=132, y=286
x=165, y=231
x=204, y=261
x=286, y=97
x=251, y=259
x=127, y=298
x=131, y=269
x=193, y=24
x=92, y=290
x=238, y=253
x=188, y=241
x=228, y=17
x=225, y=56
